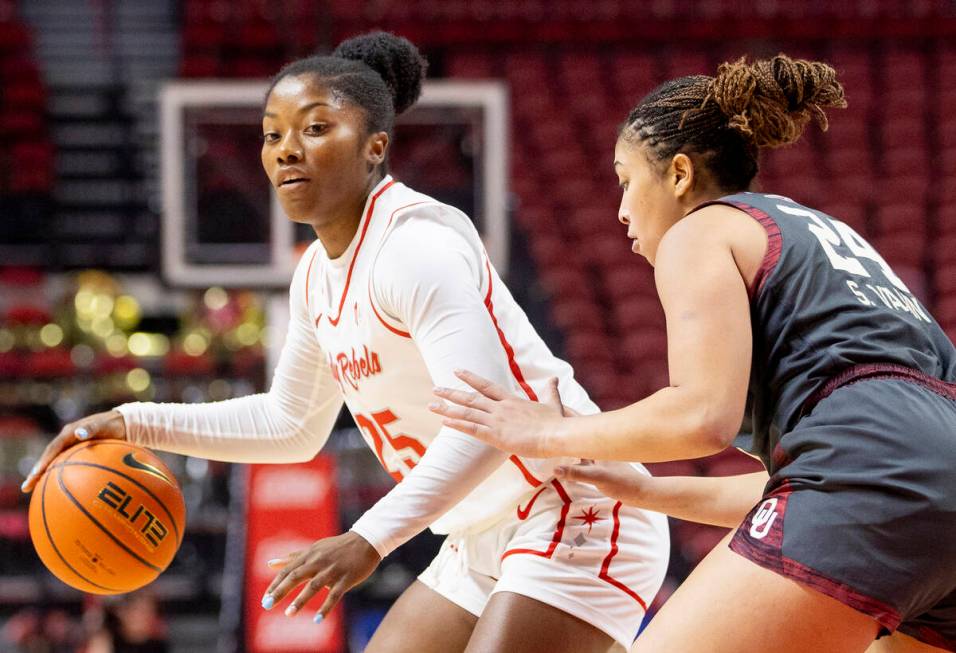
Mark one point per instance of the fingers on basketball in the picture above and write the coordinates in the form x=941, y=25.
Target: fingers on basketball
x=103, y=425
x=61, y=442
x=65, y=439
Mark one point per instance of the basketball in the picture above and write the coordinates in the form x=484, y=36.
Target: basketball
x=107, y=517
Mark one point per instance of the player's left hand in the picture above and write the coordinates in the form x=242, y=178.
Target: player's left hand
x=339, y=563
x=494, y=415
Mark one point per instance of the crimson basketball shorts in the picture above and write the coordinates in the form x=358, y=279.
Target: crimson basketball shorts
x=862, y=506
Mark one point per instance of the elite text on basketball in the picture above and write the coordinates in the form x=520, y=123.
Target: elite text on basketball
x=119, y=500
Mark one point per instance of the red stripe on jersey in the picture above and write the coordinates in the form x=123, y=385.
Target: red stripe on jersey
x=605, y=574
x=509, y=350
x=348, y=278
x=371, y=301
x=402, y=208
x=388, y=326
x=774, y=246
x=528, y=476
x=558, y=530
x=515, y=370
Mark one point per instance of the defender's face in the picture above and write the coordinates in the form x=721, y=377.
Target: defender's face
x=648, y=205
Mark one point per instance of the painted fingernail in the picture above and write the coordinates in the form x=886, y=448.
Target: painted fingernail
x=291, y=610
x=318, y=617
x=81, y=433
x=268, y=601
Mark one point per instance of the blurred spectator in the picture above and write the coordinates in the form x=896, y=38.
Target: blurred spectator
x=31, y=631
x=131, y=625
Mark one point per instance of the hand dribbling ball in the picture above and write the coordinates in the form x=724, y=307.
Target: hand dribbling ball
x=107, y=517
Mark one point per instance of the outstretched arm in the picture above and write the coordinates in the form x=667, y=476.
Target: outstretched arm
x=716, y=500
x=290, y=423
x=709, y=349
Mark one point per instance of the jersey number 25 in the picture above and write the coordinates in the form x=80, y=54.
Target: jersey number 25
x=377, y=429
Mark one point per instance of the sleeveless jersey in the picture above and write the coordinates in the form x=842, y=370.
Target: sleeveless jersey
x=381, y=371
x=823, y=302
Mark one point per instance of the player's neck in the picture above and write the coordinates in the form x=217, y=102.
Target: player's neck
x=337, y=228
x=701, y=195
x=337, y=233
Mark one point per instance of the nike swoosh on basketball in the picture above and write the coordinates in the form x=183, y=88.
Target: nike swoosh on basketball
x=131, y=461
x=523, y=514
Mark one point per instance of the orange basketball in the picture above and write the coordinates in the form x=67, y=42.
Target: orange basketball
x=107, y=517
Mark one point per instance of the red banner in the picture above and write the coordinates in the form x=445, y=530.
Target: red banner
x=288, y=508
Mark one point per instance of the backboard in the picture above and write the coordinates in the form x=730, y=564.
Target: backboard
x=222, y=224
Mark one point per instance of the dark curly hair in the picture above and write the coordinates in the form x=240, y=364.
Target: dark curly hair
x=378, y=71
x=721, y=122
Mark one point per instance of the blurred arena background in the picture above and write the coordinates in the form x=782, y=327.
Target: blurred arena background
x=119, y=250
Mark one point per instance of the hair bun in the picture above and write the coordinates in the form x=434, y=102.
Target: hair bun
x=771, y=100
x=393, y=57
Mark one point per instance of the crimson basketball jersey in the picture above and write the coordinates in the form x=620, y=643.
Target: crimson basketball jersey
x=825, y=302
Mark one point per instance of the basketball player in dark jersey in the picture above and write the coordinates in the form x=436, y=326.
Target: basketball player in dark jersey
x=850, y=382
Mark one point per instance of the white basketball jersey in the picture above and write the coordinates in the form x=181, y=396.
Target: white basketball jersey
x=381, y=371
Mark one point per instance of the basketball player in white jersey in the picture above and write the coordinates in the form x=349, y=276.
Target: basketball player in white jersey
x=396, y=294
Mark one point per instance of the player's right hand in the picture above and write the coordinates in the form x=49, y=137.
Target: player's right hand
x=617, y=480
x=108, y=425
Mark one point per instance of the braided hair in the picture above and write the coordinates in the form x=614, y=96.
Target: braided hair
x=380, y=72
x=722, y=122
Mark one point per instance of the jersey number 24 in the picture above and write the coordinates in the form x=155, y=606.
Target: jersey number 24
x=838, y=234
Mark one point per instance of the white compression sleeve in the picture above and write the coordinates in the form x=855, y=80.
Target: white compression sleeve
x=289, y=423
x=438, y=297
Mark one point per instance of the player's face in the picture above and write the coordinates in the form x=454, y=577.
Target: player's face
x=648, y=205
x=316, y=152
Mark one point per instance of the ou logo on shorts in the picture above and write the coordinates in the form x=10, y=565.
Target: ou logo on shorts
x=764, y=518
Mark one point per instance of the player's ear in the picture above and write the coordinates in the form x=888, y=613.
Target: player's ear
x=376, y=147
x=682, y=174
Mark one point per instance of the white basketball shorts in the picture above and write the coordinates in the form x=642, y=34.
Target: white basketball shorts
x=568, y=546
